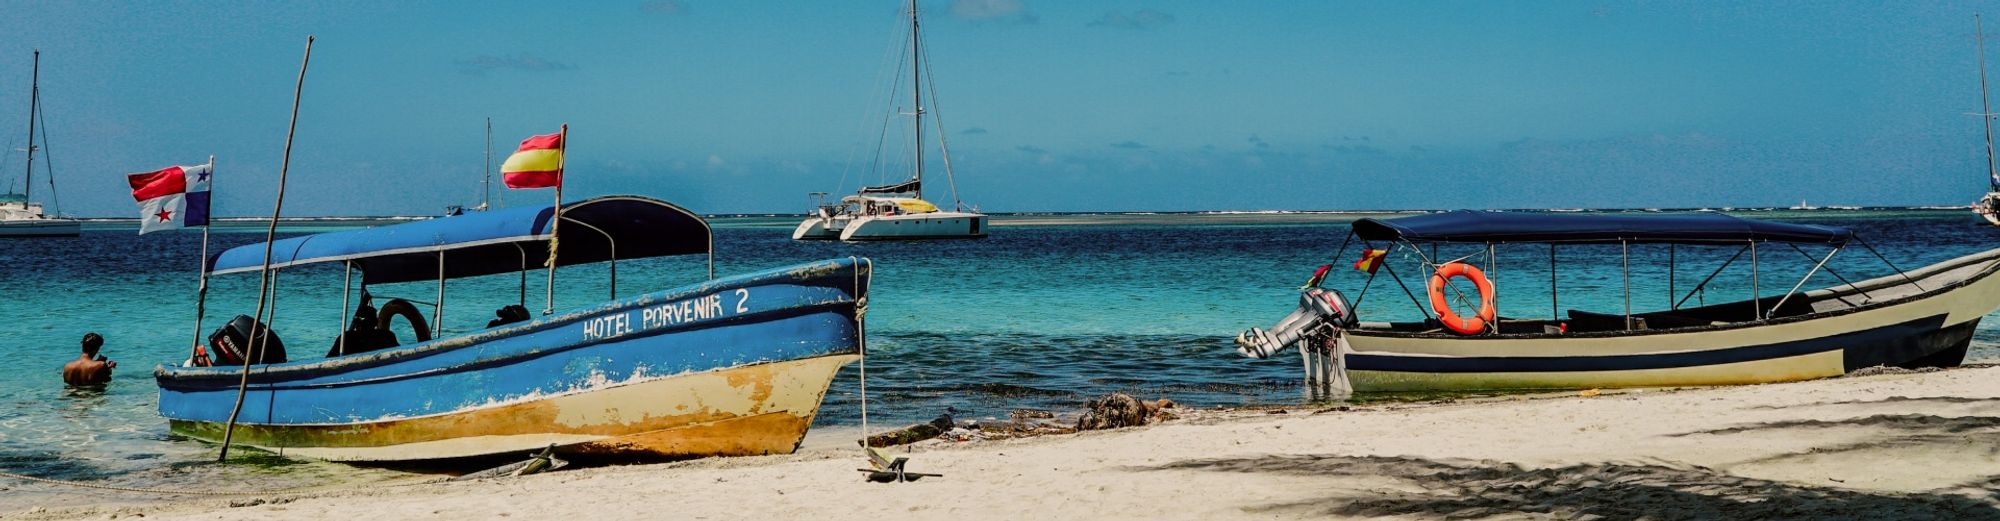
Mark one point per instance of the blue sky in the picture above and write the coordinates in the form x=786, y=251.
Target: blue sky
x=744, y=106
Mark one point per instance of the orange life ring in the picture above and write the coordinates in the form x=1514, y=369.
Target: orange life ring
x=1462, y=325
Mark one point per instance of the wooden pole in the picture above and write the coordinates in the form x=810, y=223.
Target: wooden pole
x=555, y=220
x=257, y=333
x=201, y=269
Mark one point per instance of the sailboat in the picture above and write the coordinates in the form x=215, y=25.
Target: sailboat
x=20, y=216
x=485, y=180
x=1988, y=206
x=898, y=211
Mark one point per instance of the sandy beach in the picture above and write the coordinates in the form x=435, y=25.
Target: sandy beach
x=1909, y=445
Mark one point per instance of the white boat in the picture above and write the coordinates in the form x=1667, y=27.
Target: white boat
x=898, y=211
x=19, y=216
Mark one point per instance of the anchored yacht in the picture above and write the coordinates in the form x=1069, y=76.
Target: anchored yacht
x=19, y=217
x=898, y=211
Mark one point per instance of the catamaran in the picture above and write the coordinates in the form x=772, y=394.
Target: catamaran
x=20, y=216
x=898, y=211
x=1988, y=206
x=729, y=366
x=1918, y=318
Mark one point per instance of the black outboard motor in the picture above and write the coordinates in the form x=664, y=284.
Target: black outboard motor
x=230, y=343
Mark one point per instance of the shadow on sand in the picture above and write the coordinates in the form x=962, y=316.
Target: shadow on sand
x=1462, y=489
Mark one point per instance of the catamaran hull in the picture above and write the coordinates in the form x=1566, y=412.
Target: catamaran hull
x=935, y=225
x=40, y=228
x=1931, y=329
x=819, y=228
x=737, y=366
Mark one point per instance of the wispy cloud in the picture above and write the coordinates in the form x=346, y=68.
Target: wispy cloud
x=1129, y=145
x=1258, y=142
x=1142, y=19
x=664, y=7
x=1358, y=150
x=479, y=65
x=1007, y=11
x=1031, y=149
x=972, y=131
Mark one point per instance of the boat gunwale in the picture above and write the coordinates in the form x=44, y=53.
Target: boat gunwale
x=1991, y=256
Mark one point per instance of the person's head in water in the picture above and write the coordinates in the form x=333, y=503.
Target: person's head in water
x=91, y=343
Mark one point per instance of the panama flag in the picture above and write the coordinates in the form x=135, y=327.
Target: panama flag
x=538, y=164
x=175, y=197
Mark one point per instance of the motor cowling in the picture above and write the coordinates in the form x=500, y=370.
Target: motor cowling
x=230, y=344
x=1318, y=308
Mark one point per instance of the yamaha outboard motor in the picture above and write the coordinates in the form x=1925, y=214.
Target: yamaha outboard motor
x=1318, y=307
x=229, y=344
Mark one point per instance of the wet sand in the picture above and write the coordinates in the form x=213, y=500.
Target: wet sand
x=1911, y=446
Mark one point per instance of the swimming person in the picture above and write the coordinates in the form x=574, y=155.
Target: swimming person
x=91, y=368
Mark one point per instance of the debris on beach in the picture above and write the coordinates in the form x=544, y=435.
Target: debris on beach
x=1887, y=370
x=913, y=433
x=1122, y=410
x=536, y=464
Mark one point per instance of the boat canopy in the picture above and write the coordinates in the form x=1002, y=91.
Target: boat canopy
x=1691, y=228
x=486, y=243
x=910, y=186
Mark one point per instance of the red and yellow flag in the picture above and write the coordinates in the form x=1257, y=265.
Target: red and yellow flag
x=1370, y=260
x=538, y=164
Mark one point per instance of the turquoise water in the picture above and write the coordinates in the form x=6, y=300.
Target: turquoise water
x=1046, y=313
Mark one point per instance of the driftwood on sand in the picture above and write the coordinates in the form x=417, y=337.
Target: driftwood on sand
x=1121, y=410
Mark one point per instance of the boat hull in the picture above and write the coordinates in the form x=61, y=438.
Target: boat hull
x=933, y=225
x=40, y=228
x=819, y=228
x=1933, y=328
x=737, y=366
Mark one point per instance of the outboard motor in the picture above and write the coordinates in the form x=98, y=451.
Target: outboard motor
x=1318, y=307
x=229, y=344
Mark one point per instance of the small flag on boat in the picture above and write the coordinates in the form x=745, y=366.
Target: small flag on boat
x=1318, y=275
x=1371, y=259
x=538, y=164
x=172, y=198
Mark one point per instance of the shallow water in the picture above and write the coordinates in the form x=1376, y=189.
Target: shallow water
x=1046, y=313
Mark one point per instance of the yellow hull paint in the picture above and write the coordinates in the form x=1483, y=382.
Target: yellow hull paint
x=1787, y=369
x=749, y=410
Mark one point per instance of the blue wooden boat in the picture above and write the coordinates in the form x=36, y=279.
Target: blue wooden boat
x=733, y=366
x=1923, y=317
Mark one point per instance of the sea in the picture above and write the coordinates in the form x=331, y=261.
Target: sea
x=1048, y=312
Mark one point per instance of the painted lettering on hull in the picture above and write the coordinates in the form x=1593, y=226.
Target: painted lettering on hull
x=664, y=315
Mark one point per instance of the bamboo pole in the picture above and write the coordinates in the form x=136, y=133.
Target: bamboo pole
x=555, y=220
x=257, y=334
x=201, y=269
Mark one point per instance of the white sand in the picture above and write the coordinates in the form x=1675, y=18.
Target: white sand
x=1905, y=446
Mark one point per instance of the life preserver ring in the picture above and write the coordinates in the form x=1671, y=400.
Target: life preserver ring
x=1462, y=325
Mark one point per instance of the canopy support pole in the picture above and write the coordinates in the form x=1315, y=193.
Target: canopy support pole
x=1493, y=272
x=1711, y=276
x=1836, y=275
x=1406, y=289
x=1670, y=277
x=1892, y=265
x=1625, y=251
x=437, y=310
x=1756, y=294
x=1555, y=310
x=346, y=291
x=256, y=335
x=1802, y=283
x=614, y=253
x=524, y=272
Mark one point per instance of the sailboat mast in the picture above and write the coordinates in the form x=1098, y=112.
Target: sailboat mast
x=486, y=181
x=917, y=95
x=1986, y=109
x=34, y=101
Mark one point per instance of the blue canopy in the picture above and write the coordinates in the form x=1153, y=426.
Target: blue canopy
x=1690, y=228
x=485, y=243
